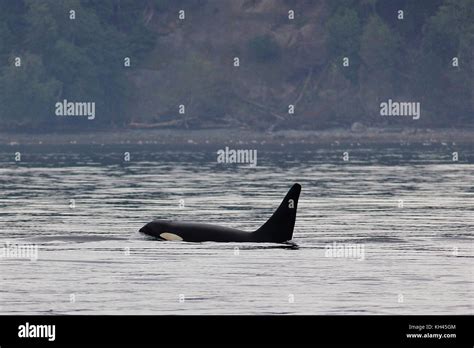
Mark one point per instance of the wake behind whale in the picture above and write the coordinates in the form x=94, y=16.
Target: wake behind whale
x=278, y=229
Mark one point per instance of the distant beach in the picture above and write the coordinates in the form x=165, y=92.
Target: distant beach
x=365, y=136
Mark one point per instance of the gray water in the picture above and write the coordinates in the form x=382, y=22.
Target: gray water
x=410, y=210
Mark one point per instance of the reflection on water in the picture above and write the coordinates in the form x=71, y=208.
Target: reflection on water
x=410, y=208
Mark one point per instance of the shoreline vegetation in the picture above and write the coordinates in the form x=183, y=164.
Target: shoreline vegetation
x=255, y=64
x=177, y=137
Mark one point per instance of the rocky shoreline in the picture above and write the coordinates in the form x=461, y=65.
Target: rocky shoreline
x=367, y=136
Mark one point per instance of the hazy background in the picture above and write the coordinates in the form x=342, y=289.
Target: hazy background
x=190, y=62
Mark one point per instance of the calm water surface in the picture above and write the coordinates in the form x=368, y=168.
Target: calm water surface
x=410, y=209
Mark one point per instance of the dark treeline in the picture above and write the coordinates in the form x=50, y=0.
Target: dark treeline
x=422, y=54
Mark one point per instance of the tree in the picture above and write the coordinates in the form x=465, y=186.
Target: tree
x=264, y=49
x=343, y=40
x=448, y=34
x=27, y=93
x=84, y=54
x=379, y=75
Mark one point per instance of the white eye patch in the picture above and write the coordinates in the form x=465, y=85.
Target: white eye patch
x=170, y=236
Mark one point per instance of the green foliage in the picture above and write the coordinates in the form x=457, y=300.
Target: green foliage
x=344, y=31
x=84, y=55
x=447, y=34
x=198, y=85
x=451, y=30
x=26, y=94
x=163, y=5
x=264, y=49
x=379, y=45
x=416, y=13
x=337, y=5
x=82, y=59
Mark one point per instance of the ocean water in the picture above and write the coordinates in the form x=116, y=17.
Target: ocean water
x=390, y=231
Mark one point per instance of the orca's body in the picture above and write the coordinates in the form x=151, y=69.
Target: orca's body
x=278, y=229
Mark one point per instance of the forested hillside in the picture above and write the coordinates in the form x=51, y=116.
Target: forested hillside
x=235, y=63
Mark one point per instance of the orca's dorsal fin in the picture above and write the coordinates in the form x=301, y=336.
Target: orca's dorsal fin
x=279, y=228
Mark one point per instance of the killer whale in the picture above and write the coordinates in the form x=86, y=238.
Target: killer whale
x=277, y=229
